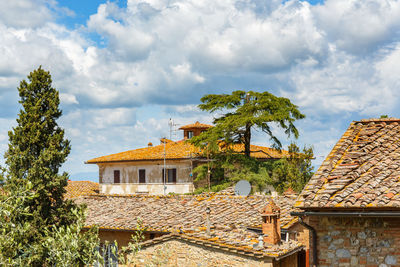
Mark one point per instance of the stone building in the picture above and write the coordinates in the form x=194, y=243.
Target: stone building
x=216, y=228
x=243, y=231
x=352, y=203
x=164, y=168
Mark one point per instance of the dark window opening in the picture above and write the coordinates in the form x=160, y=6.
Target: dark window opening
x=152, y=235
x=189, y=134
x=117, y=177
x=285, y=236
x=171, y=175
x=142, y=176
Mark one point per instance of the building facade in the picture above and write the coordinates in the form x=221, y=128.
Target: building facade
x=164, y=168
x=352, y=203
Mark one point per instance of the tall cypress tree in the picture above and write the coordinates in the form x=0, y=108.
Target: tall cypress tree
x=37, y=149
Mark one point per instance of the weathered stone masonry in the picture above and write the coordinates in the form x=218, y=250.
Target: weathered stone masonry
x=353, y=241
x=181, y=253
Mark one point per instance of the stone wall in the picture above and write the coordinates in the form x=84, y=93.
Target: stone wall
x=182, y=253
x=355, y=241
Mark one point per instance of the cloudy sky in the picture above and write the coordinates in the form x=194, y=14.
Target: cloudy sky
x=123, y=68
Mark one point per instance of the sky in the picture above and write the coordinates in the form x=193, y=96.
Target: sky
x=124, y=68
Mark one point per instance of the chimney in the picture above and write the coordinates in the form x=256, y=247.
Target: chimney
x=150, y=144
x=270, y=223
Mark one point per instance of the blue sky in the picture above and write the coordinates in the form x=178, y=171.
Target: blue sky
x=124, y=68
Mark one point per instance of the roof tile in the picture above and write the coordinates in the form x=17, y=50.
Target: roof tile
x=360, y=170
x=181, y=150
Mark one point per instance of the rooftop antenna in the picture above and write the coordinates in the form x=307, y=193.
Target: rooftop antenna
x=172, y=130
x=242, y=188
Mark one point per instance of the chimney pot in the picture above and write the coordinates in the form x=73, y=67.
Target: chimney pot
x=270, y=223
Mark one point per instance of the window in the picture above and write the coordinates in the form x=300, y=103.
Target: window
x=285, y=236
x=171, y=175
x=117, y=177
x=189, y=134
x=142, y=176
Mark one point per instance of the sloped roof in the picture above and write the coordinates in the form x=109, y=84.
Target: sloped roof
x=196, y=125
x=362, y=170
x=180, y=150
x=184, y=217
x=171, y=213
x=235, y=240
x=81, y=188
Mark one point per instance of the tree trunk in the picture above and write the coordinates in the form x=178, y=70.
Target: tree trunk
x=247, y=133
x=247, y=137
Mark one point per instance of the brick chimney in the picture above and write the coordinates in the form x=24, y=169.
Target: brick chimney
x=270, y=223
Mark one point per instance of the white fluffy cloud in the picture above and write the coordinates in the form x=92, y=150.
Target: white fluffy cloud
x=25, y=13
x=359, y=26
x=155, y=59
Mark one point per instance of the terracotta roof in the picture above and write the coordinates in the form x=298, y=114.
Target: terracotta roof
x=181, y=150
x=362, y=170
x=196, y=125
x=171, y=213
x=235, y=240
x=185, y=217
x=81, y=188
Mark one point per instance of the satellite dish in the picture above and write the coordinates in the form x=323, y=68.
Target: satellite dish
x=242, y=188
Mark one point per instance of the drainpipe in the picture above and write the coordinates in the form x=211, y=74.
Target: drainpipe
x=165, y=174
x=314, y=240
x=364, y=214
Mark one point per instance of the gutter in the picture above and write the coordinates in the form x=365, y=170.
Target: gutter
x=347, y=213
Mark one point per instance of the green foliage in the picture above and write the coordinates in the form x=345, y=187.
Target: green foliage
x=384, y=116
x=135, y=245
x=37, y=149
x=293, y=171
x=244, y=111
x=70, y=245
x=229, y=168
x=214, y=188
x=38, y=227
x=15, y=229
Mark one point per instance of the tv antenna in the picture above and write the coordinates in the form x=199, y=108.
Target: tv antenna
x=172, y=130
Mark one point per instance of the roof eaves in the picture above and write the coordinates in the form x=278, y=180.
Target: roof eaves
x=138, y=160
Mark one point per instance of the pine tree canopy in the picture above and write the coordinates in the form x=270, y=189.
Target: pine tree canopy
x=243, y=111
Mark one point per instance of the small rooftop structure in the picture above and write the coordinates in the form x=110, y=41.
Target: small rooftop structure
x=194, y=129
